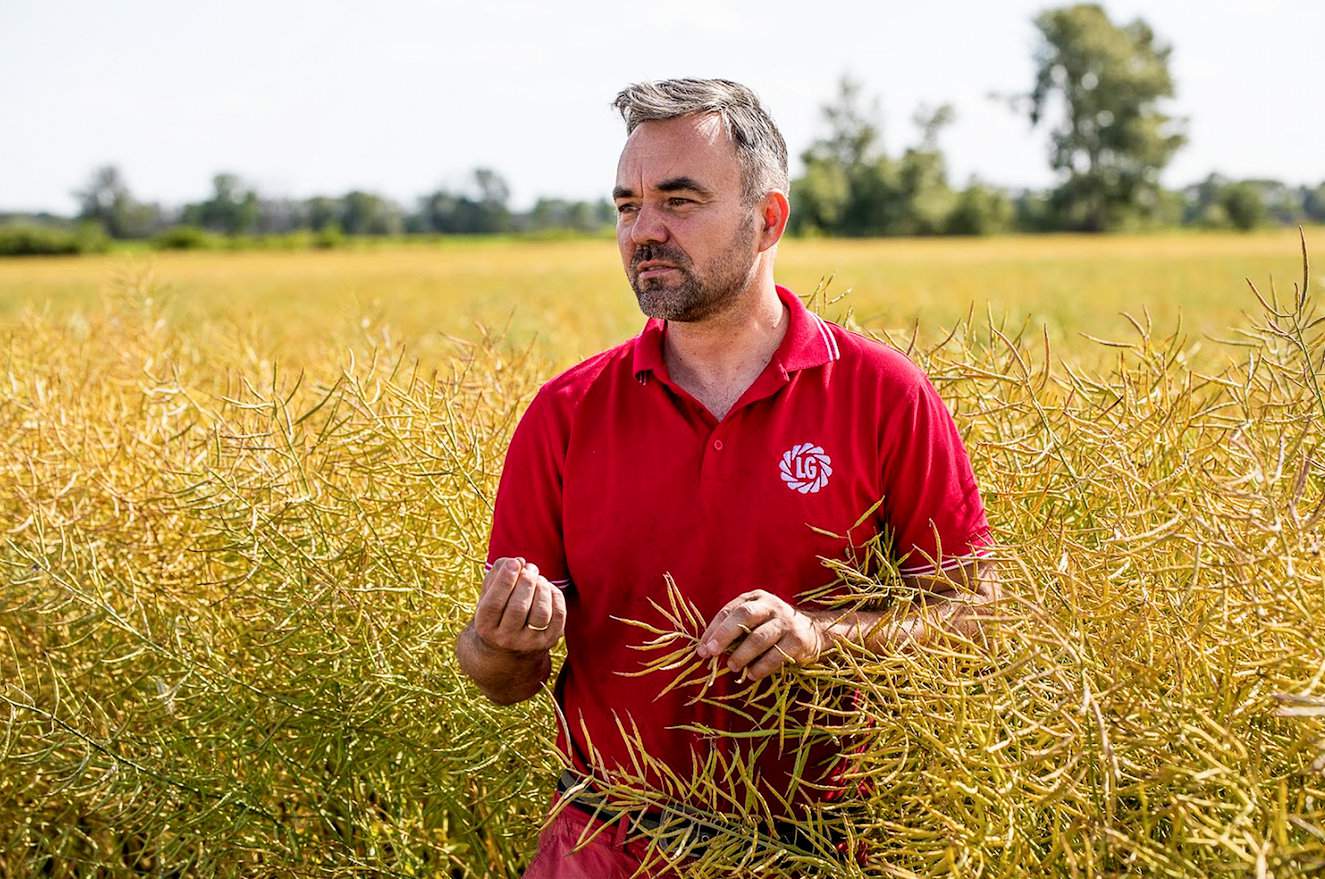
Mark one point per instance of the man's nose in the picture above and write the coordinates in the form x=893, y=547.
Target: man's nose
x=648, y=226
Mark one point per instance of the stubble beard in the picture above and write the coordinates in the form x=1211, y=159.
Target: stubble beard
x=692, y=298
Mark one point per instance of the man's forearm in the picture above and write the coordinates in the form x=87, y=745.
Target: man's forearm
x=504, y=677
x=885, y=631
x=935, y=619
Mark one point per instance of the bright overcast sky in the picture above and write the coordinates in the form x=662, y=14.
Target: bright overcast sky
x=399, y=97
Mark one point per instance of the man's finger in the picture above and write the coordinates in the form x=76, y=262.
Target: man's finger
x=721, y=616
x=503, y=572
x=557, y=627
x=745, y=617
x=773, y=659
x=754, y=645
x=716, y=621
x=540, y=609
x=497, y=587
x=522, y=596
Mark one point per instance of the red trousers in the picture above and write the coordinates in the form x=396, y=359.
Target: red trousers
x=614, y=853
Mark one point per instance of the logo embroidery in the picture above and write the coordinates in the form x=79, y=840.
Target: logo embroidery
x=805, y=468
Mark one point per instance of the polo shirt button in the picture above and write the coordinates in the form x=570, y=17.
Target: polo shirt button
x=717, y=445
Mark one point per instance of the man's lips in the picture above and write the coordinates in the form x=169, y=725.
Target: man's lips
x=648, y=268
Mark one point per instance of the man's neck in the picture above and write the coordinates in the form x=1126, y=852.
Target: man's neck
x=717, y=358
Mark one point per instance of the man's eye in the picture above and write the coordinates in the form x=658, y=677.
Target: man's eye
x=622, y=208
x=678, y=202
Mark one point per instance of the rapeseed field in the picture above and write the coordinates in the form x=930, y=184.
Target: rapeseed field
x=245, y=497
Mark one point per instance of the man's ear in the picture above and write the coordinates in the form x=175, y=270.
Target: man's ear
x=774, y=211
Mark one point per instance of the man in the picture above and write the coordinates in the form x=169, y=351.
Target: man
x=703, y=448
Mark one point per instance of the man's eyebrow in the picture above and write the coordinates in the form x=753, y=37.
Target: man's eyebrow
x=672, y=184
x=676, y=184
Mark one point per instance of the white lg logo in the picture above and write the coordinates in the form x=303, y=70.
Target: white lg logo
x=805, y=468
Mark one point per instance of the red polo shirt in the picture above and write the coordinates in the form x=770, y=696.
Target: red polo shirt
x=616, y=476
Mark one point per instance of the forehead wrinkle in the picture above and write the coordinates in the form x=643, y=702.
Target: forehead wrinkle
x=654, y=157
x=648, y=170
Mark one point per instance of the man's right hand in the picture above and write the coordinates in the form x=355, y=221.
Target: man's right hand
x=519, y=610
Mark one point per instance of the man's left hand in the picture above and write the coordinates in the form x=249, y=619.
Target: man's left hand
x=765, y=632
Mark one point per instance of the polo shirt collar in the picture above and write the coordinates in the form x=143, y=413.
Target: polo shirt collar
x=807, y=343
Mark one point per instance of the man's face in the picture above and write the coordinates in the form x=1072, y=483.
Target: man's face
x=687, y=242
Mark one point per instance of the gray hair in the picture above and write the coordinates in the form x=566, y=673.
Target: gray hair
x=759, y=145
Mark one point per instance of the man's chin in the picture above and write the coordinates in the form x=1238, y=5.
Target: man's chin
x=657, y=303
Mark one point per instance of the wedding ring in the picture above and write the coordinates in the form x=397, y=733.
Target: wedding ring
x=538, y=628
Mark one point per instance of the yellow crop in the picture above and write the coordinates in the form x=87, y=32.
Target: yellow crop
x=244, y=501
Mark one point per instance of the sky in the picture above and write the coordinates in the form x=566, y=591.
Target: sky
x=402, y=96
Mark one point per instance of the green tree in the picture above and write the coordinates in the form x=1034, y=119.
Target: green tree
x=1201, y=202
x=1110, y=139
x=1219, y=203
x=436, y=213
x=925, y=198
x=560, y=213
x=1313, y=203
x=367, y=214
x=106, y=200
x=846, y=179
x=232, y=209
x=851, y=186
x=1283, y=203
x=980, y=210
x=493, y=193
x=104, y=196
x=1243, y=205
x=854, y=131
x=481, y=210
x=323, y=212
x=819, y=197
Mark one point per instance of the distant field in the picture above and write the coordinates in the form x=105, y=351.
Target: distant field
x=572, y=296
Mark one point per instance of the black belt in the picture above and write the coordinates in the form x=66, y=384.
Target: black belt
x=591, y=803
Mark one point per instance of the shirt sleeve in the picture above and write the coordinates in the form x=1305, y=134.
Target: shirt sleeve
x=526, y=516
x=931, y=504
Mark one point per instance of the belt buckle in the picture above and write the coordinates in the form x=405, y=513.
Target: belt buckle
x=703, y=833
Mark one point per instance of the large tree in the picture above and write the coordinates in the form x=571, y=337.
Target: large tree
x=842, y=189
x=480, y=209
x=1099, y=87
x=366, y=213
x=851, y=186
x=106, y=199
x=232, y=209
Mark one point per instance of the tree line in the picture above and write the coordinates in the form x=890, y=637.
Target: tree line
x=1099, y=92
x=234, y=207
x=236, y=213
